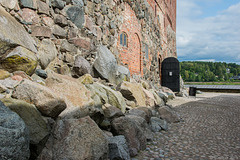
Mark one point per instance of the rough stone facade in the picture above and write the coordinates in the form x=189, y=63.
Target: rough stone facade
x=78, y=27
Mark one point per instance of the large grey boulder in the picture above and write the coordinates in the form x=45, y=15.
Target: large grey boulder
x=46, y=101
x=158, y=124
x=75, y=94
x=115, y=98
x=143, y=125
x=47, y=52
x=133, y=133
x=108, y=95
x=19, y=59
x=31, y=116
x=111, y=112
x=123, y=73
x=133, y=92
x=76, y=139
x=14, y=136
x=81, y=66
x=143, y=112
x=105, y=64
x=99, y=92
x=18, y=36
x=163, y=96
x=168, y=114
x=159, y=101
x=118, y=148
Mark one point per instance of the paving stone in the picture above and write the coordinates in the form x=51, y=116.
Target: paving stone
x=210, y=131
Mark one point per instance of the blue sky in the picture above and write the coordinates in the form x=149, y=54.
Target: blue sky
x=208, y=30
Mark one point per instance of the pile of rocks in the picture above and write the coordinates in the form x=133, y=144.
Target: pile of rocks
x=51, y=106
x=78, y=118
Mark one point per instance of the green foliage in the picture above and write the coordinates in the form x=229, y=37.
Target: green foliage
x=208, y=71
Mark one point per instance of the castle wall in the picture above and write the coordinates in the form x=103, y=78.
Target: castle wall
x=79, y=27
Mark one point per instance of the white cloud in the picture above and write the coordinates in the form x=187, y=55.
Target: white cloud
x=216, y=37
x=207, y=60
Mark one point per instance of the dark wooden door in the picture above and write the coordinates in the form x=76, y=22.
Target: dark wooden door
x=170, y=74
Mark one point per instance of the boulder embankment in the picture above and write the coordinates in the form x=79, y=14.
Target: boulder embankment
x=63, y=93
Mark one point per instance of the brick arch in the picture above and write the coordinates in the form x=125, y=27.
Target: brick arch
x=131, y=55
x=160, y=59
x=135, y=56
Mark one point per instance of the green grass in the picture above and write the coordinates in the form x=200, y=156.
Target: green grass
x=213, y=83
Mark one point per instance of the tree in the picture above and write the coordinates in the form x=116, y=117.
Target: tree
x=208, y=71
x=186, y=75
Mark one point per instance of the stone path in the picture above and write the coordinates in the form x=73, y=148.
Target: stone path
x=210, y=130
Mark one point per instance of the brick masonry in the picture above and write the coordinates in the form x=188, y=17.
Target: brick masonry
x=161, y=19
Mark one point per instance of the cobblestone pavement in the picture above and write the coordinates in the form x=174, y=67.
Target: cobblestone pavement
x=210, y=130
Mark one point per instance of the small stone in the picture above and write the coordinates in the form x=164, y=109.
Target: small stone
x=88, y=23
x=30, y=16
x=67, y=47
x=76, y=15
x=9, y=3
x=81, y=67
x=58, y=4
x=78, y=2
x=41, y=73
x=86, y=79
x=82, y=43
x=29, y=3
x=69, y=59
x=60, y=20
x=9, y=83
x=41, y=31
x=43, y=7
x=72, y=33
x=111, y=111
x=48, y=21
x=59, y=31
x=2, y=88
x=4, y=74
x=17, y=78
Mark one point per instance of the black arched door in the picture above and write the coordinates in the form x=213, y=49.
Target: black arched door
x=170, y=74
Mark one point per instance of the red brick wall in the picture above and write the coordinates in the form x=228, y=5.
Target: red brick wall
x=131, y=55
x=163, y=13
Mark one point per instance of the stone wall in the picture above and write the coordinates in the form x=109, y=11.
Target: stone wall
x=64, y=29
